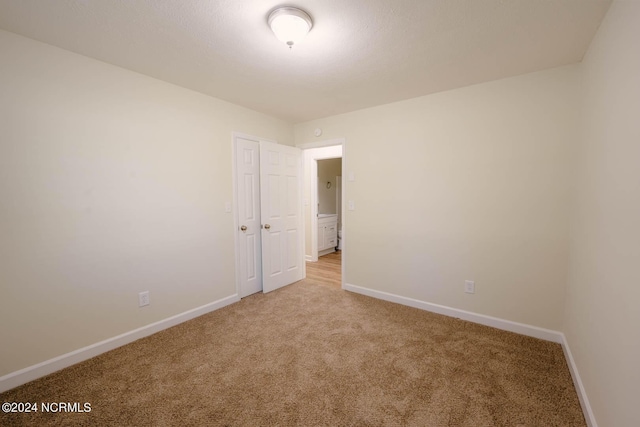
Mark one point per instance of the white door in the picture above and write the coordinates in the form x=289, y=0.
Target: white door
x=281, y=215
x=248, y=203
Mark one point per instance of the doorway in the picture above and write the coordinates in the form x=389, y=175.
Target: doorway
x=319, y=217
x=329, y=214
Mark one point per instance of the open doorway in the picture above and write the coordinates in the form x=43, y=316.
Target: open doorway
x=324, y=213
x=329, y=194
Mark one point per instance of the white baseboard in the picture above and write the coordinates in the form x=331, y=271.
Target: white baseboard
x=506, y=325
x=308, y=258
x=326, y=252
x=15, y=379
x=577, y=382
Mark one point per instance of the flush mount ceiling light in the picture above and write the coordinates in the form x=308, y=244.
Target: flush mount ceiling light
x=290, y=24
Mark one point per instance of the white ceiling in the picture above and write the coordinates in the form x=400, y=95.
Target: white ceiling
x=360, y=53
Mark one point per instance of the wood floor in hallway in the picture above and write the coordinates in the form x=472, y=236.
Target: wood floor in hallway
x=327, y=270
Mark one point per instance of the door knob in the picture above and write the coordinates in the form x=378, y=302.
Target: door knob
x=243, y=228
x=267, y=226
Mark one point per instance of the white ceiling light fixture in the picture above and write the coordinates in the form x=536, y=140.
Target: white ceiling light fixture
x=290, y=24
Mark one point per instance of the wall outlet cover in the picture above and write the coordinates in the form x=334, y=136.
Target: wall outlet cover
x=470, y=286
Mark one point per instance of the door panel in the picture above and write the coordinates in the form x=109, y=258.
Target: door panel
x=252, y=254
x=250, y=194
x=249, y=240
x=274, y=265
x=273, y=211
x=281, y=210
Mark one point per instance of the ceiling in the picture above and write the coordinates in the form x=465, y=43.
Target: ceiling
x=359, y=53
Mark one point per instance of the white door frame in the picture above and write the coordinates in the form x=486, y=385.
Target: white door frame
x=313, y=200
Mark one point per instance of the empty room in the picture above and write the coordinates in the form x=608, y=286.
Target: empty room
x=367, y=212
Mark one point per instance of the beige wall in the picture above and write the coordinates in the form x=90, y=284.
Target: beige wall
x=111, y=183
x=328, y=170
x=603, y=300
x=471, y=184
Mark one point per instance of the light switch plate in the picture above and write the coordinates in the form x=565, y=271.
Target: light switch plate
x=351, y=205
x=143, y=299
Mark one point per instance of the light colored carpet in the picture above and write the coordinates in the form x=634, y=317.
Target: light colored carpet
x=312, y=354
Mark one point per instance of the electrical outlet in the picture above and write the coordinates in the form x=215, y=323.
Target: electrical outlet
x=470, y=286
x=143, y=299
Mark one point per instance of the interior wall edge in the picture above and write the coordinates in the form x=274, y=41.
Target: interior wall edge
x=30, y=373
x=577, y=383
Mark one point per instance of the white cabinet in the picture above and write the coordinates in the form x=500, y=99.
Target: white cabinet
x=327, y=233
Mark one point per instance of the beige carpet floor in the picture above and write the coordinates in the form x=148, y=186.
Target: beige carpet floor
x=312, y=354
